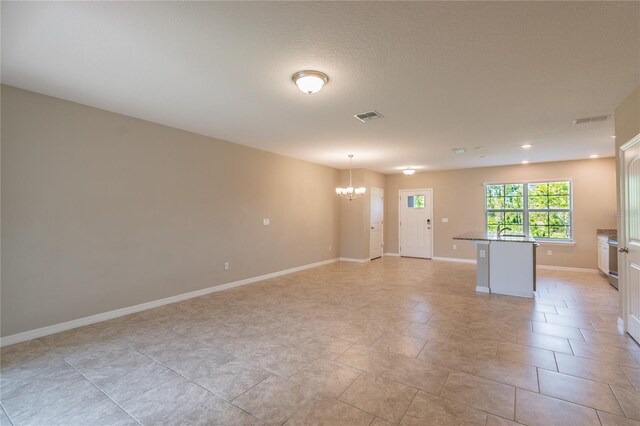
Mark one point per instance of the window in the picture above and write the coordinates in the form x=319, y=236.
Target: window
x=415, y=201
x=541, y=210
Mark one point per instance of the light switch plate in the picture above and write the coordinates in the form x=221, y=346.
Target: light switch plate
x=445, y=219
x=266, y=222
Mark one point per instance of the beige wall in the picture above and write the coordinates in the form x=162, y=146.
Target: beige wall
x=627, y=118
x=627, y=125
x=102, y=211
x=355, y=214
x=459, y=196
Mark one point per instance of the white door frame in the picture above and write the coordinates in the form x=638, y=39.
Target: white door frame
x=382, y=223
x=430, y=196
x=625, y=302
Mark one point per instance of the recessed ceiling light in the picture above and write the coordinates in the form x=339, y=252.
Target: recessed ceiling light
x=483, y=156
x=478, y=148
x=594, y=156
x=310, y=81
x=458, y=150
x=524, y=162
x=612, y=136
x=408, y=171
x=526, y=146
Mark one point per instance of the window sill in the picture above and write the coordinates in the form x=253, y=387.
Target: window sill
x=556, y=243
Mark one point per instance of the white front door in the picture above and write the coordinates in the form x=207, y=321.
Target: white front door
x=630, y=255
x=416, y=222
x=376, y=219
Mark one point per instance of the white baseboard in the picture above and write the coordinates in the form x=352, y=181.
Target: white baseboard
x=392, y=254
x=481, y=289
x=454, y=259
x=80, y=322
x=565, y=268
x=354, y=260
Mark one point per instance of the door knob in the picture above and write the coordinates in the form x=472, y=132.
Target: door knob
x=623, y=250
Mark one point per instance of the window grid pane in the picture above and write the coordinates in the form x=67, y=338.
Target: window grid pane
x=540, y=209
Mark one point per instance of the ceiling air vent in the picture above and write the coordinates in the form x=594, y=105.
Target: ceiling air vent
x=368, y=116
x=590, y=119
x=458, y=150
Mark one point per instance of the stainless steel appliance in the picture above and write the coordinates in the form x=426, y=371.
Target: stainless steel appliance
x=613, y=262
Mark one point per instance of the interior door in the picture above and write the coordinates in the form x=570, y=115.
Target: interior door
x=630, y=249
x=376, y=219
x=416, y=223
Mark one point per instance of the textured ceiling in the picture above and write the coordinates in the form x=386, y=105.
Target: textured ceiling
x=444, y=74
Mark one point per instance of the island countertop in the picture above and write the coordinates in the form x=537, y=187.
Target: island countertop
x=484, y=236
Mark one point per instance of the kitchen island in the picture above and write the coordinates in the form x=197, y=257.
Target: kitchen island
x=506, y=264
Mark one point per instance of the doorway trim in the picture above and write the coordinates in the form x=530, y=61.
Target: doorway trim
x=382, y=222
x=625, y=302
x=433, y=222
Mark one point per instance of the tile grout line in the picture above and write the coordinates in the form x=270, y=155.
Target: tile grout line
x=270, y=374
x=618, y=401
x=515, y=400
x=103, y=392
x=408, y=406
x=300, y=408
x=578, y=404
x=345, y=389
x=6, y=414
x=629, y=379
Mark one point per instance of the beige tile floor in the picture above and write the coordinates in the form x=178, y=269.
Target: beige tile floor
x=396, y=341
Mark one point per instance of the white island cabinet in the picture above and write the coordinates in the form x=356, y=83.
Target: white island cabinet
x=509, y=261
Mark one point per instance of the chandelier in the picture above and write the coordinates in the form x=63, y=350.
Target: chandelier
x=350, y=192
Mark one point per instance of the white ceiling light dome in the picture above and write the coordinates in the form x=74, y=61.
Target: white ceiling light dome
x=408, y=171
x=310, y=81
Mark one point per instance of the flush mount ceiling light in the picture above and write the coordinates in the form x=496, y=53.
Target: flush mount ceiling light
x=526, y=146
x=310, y=81
x=524, y=162
x=594, y=156
x=350, y=192
x=408, y=171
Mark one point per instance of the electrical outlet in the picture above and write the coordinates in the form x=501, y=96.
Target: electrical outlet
x=483, y=253
x=266, y=222
x=455, y=247
x=549, y=252
x=226, y=266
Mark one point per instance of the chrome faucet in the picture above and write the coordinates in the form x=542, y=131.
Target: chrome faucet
x=501, y=230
